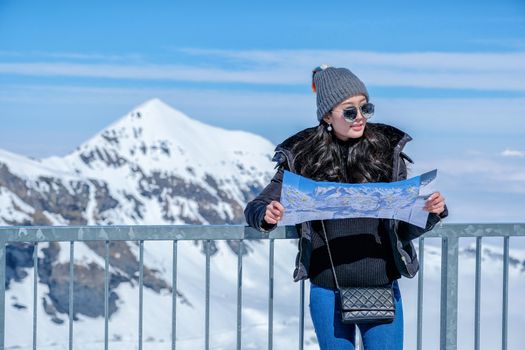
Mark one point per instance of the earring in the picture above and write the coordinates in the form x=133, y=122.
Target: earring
x=329, y=128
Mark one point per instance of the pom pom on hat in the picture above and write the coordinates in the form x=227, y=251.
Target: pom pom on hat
x=314, y=72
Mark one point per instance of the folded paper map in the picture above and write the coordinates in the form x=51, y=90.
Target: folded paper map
x=306, y=200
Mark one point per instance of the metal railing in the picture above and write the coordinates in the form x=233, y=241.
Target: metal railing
x=449, y=235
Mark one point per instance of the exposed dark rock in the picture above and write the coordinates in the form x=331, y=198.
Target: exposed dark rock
x=110, y=158
x=19, y=257
x=236, y=246
x=121, y=257
x=183, y=299
x=45, y=264
x=495, y=255
x=19, y=306
x=50, y=309
x=102, y=197
x=111, y=137
x=211, y=245
x=87, y=158
x=88, y=289
x=138, y=206
x=137, y=132
x=158, y=183
x=52, y=197
x=164, y=148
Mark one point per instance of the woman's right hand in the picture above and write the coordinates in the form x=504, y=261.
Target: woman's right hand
x=274, y=212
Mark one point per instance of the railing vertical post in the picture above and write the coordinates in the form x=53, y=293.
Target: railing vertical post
x=449, y=291
x=106, y=294
x=301, y=318
x=207, y=317
x=270, y=295
x=3, y=249
x=504, y=321
x=239, y=293
x=71, y=290
x=141, y=290
x=420, y=280
x=477, y=298
x=174, y=299
x=35, y=292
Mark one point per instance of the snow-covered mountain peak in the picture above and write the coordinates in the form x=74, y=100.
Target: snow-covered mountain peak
x=154, y=113
x=153, y=165
x=156, y=136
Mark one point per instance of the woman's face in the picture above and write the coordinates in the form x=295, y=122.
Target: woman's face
x=343, y=129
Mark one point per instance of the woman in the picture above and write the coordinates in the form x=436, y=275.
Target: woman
x=345, y=147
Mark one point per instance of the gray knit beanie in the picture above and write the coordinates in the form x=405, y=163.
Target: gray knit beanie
x=334, y=85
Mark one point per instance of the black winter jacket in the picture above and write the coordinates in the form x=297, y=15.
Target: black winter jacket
x=400, y=232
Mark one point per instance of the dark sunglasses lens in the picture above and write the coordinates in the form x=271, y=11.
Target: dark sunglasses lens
x=350, y=113
x=367, y=109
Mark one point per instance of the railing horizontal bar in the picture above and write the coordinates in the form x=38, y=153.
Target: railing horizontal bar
x=214, y=232
x=478, y=230
x=134, y=233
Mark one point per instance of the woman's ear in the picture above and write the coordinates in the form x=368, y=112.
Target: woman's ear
x=328, y=118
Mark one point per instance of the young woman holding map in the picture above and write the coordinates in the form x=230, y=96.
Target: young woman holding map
x=344, y=255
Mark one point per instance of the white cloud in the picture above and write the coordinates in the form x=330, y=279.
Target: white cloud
x=513, y=153
x=93, y=56
x=477, y=71
x=427, y=60
x=151, y=72
x=445, y=124
x=478, y=188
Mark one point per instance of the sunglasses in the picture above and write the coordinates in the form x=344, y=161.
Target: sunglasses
x=367, y=111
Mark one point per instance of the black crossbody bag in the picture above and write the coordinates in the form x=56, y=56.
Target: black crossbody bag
x=363, y=304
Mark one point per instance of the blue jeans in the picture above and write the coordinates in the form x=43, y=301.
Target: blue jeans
x=332, y=334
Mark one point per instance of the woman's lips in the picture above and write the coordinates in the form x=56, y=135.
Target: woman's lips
x=357, y=127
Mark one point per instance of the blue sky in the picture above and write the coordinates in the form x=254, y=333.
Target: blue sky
x=451, y=73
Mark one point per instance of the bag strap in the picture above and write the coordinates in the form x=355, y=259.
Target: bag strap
x=330, y=255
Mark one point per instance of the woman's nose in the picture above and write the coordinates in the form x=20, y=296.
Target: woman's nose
x=359, y=115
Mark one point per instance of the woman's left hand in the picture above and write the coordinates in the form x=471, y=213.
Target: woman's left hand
x=435, y=203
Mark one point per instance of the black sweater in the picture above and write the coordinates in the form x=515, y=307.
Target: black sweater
x=361, y=252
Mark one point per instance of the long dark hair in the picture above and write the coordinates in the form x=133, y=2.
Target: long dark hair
x=323, y=157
